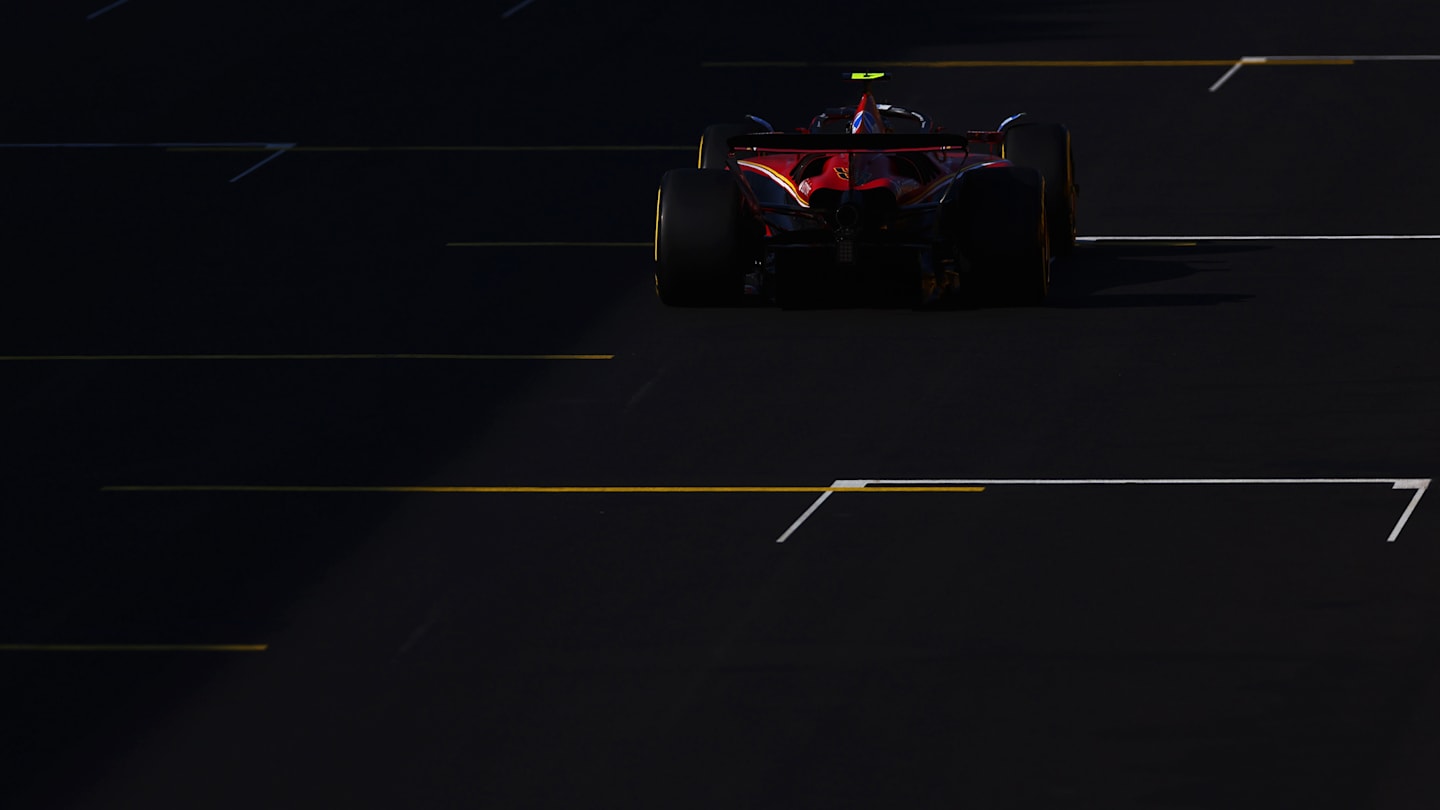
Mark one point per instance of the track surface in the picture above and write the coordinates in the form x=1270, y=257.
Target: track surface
x=1031, y=645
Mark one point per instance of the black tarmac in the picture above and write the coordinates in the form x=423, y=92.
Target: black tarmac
x=201, y=289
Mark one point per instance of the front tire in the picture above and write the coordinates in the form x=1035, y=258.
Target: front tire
x=705, y=238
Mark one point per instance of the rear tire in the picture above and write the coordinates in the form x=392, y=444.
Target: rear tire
x=714, y=144
x=1046, y=148
x=997, y=219
x=705, y=238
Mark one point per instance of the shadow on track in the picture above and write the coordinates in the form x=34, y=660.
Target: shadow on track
x=1078, y=279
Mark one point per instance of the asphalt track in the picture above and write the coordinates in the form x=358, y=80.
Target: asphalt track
x=334, y=328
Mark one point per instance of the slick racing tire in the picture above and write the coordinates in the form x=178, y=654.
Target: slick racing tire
x=997, y=218
x=713, y=142
x=1046, y=148
x=705, y=238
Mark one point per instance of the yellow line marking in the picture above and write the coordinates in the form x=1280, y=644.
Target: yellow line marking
x=134, y=647
x=58, y=357
x=488, y=148
x=521, y=490
x=1040, y=63
x=548, y=244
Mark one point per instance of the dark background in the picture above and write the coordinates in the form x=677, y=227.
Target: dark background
x=1031, y=646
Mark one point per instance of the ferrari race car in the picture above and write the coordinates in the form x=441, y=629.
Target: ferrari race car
x=851, y=208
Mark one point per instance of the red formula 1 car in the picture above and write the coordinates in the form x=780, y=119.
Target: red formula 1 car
x=851, y=209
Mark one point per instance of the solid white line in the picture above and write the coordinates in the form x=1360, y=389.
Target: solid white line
x=281, y=148
x=1419, y=487
x=1357, y=237
x=1399, y=57
x=92, y=15
x=516, y=8
x=1231, y=72
x=1398, y=483
x=1417, y=484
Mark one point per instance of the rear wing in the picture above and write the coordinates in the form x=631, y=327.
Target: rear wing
x=836, y=144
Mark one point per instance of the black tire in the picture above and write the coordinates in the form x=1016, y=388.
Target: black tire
x=713, y=142
x=996, y=217
x=705, y=238
x=1047, y=149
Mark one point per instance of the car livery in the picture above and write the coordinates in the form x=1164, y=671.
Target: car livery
x=850, y=206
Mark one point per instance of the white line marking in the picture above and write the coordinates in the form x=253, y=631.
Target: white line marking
x=1417, y=484
x=281, y=148
x=803, y=515
x=1399, y=483
x=845, y=483
x=1355, y=237
x=516, y=8
x=1231, y=72
x=92, y=15
x=1394, y=57
x=1260, y=60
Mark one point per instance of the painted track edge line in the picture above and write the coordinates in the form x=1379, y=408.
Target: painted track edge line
x=1417, y=484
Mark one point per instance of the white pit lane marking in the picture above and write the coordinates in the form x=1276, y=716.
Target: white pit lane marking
x=1417, y=484
x=1244, y=60
x=1260, y=60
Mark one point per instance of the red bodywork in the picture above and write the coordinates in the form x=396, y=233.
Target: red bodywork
x=913, y=176
x=868, y=197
